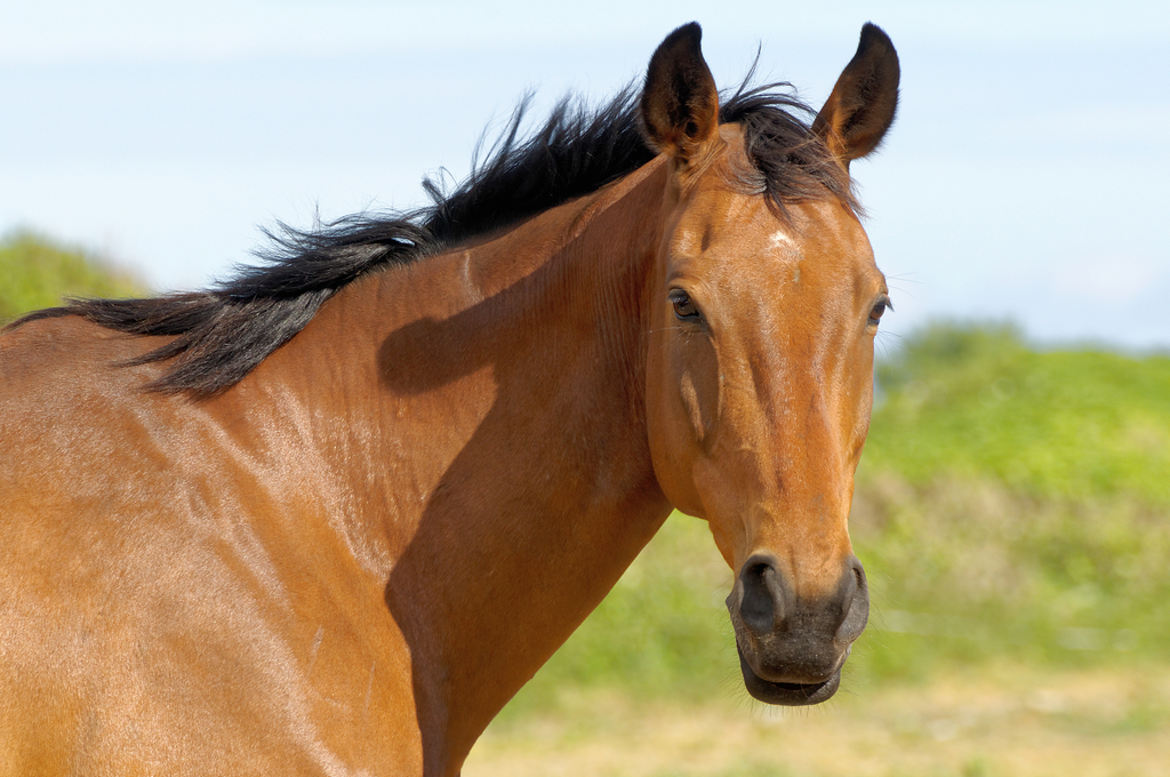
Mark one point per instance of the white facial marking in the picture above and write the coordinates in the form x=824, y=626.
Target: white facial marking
x=781, y=239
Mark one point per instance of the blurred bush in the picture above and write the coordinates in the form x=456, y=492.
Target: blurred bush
x=36, y=272
x=1083, y=424
x=1012, y=503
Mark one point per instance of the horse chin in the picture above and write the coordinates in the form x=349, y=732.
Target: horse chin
x=788, y=694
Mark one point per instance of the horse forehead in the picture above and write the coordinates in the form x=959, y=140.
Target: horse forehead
x=825, y=242
x=721, y=219
x=740, y=235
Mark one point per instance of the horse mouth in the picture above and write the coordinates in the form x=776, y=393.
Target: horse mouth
x=787, y=694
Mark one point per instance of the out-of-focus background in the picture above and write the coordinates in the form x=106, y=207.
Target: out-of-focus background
x=1013, y=503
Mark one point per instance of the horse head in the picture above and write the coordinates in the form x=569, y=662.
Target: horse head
x=763, y=307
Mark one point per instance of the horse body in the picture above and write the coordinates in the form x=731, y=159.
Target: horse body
x=350, y=560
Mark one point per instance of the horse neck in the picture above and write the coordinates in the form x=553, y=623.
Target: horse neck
x=511, y=452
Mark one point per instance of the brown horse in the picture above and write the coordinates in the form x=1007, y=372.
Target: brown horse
x=328, y=517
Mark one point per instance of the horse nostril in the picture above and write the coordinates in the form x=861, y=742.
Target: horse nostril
x=762, y=606
x=856, y=612
x=859, y=574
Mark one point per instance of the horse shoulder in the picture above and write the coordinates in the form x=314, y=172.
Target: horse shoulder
x=153, y=588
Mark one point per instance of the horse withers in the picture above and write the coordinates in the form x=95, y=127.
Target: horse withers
x=328, y=517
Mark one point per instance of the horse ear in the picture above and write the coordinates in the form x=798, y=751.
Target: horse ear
x=680, y=105
x=862, y=105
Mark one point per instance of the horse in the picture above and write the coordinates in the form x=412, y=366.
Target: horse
x=329, y=515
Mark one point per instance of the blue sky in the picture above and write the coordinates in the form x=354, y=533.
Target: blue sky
x=1025, y=178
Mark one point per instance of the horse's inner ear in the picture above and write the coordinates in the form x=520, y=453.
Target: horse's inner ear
x=680, y=105
x=862, y=105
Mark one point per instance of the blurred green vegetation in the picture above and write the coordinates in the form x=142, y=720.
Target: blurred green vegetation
x=1055, y=424
x=36, y=272
x=1011, y=505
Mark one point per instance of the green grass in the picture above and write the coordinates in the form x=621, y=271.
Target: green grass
x=1007, y=718
x=36, y=273
x=1014, y=502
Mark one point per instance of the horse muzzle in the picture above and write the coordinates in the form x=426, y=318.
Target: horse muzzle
x=791, y=649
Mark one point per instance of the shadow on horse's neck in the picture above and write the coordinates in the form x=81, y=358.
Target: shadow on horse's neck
x=553, y=494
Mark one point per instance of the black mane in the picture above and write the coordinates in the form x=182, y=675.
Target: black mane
x=221, y=334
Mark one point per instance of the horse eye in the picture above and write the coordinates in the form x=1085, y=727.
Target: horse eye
x=879, y=307
x=684, y=306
